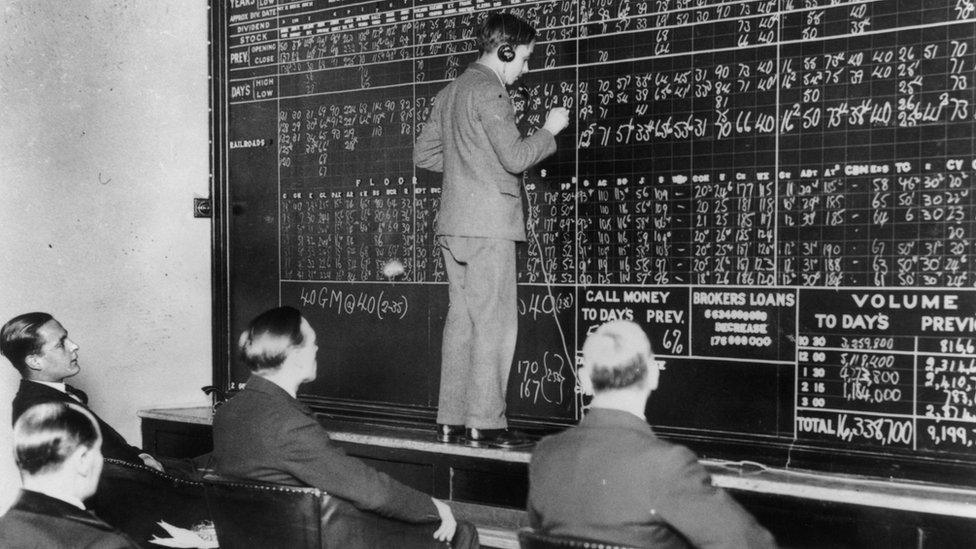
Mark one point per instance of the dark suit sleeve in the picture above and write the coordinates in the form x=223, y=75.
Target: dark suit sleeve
x=311, y=457
x=516, y=153
x=428, y=152
x=706, y=515
x=112, y=541
x=114, y=444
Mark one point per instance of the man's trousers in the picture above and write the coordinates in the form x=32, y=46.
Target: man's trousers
x=480, y=331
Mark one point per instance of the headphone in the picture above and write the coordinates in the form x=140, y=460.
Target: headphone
x=506, y=52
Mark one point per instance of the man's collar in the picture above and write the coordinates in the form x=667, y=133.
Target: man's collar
x=33, y=501
x=52, y=384
x=264, y=385
x=481, y=67
x=609, y=416
x=67, y=498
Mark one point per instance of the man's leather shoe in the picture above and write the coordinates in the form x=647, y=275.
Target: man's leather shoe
x=449, y=433
x=496, y=438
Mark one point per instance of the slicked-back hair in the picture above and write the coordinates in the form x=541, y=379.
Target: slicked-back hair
x=265, y=343
x=46, y=434
x=618, y=355
x=19, y=338
x=504, y=28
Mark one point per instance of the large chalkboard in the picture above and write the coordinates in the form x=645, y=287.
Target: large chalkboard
x=779, y=191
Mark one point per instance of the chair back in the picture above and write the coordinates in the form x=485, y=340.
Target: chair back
x=134, y=498
x=249, y=514
x=532, y=539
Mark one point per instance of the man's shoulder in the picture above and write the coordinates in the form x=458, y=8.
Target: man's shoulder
x=19, y=528
x=30, y=393
x=625, y=440
x=38, y=520
x=250, y=408
x=479, y=85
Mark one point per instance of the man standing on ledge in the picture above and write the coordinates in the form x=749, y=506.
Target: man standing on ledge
x=471, y=137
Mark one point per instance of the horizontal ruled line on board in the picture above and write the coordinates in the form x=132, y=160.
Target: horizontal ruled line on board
x=702, y=287
x=855, y=412
x=411, y=20
x=576, y=66
x=650, y=15
x=728, y=359
x=675, y=430
x=582, y=39
x=875, y=414
x=886, y=351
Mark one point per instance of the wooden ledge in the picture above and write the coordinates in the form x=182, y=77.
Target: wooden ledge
x=897, y=494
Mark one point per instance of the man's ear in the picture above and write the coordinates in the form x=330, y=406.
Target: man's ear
x=653, y=372
x=33, y=361
x=83, y=460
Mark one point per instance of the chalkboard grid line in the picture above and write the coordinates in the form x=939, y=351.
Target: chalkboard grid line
x=413, y=97
x=796, y=368
x=650, y=15
x=278, y=158
x=915, y=396
x=577, y=66
x=690, y=286
x=578, y=38
x=578, y=404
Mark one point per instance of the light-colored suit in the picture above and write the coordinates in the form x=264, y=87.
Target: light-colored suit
x=611, y=479
x=472, y=137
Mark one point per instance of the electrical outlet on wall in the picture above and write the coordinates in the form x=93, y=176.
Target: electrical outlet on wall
x=201, y=207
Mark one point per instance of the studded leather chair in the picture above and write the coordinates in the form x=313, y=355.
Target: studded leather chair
x=251, y=514
x=134, y=498
x=531, y=539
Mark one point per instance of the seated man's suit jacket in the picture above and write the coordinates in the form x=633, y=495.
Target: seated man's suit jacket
x=113, y=444
x=39, y=521
x=265, y=434
x=611, y=479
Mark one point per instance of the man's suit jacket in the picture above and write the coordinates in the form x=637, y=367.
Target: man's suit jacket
x=113, y=444
x=472, y=137
x=265, y=434
x=611, y=479
x=38, y=521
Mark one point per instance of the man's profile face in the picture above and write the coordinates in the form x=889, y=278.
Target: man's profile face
x=58, y=357
x=519, y=65
x=96, y=462
x=306, y=354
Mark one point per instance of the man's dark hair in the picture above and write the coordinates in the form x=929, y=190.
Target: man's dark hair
x=504, y=28
x=265, y=343
x=19, y=338
x=46, y=434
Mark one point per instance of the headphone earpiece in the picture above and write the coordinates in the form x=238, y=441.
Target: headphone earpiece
x=506, y=52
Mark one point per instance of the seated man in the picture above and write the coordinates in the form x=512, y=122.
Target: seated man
x=58, y=450
x=611, y=479
x=39, y=347
x=264, y=433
